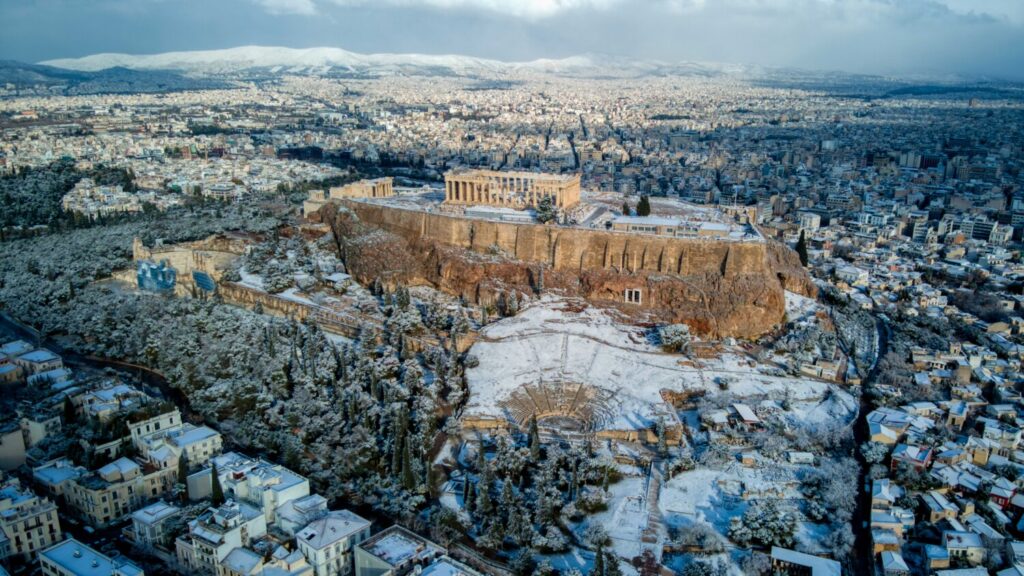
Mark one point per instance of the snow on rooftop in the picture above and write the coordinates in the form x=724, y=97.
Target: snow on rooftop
x=78, y=559
x=819, y=566
x=336, y=525
x=155, y=512
x=397, y=546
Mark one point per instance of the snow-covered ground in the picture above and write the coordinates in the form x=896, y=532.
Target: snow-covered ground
x=556, y=341
x=800, y=308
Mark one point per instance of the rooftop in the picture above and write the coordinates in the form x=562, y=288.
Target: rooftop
x=336, y=525
x=81, y=560
x=155, y=512
x=396, y=546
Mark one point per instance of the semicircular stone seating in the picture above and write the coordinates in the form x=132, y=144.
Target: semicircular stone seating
x=559, y=406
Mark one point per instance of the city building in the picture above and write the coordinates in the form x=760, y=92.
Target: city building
x=218, y=531
x=28, y=523
x=327, y=542
x=151, y=525
x=72, y=558
x=394, y=552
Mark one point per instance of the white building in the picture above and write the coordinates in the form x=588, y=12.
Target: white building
x=218, y=531
x=28, y=523
x=327, y=542
x=72, y=558
x=393, y=552
x=257, y=482
x=150, y=524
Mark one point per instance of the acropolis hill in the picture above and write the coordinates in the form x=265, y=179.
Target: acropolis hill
x=720, y=287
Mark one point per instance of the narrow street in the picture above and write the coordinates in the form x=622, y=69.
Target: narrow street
x=862, y=557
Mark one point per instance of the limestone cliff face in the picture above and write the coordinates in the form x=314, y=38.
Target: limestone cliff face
x=718, y=288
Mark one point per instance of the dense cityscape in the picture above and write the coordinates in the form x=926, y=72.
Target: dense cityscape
x=263, y=313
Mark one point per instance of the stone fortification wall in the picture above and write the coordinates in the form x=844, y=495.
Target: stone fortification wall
x=572, y=249
x=717, y=287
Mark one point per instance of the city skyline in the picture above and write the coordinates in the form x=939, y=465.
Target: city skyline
x=925, y=38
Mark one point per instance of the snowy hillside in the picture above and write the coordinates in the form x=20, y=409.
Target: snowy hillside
x=552, y=342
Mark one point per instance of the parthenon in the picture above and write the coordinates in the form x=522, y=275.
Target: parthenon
x=510, y=189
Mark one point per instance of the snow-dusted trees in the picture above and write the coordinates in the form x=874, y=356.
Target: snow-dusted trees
x=765, y=523
x=874, y=452
x=829, y=497
x=675, y=337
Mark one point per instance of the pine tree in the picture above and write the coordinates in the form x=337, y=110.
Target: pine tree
x=643, y=207
x=546, y=210
x=801, y=248
x=216, y=492
x=625, y=209
x=598, y=562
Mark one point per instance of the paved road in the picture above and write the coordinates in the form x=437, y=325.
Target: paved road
x=863, y=559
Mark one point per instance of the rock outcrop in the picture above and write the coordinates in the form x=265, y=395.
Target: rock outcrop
x=719, y=288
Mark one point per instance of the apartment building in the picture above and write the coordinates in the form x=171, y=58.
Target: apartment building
x=328, y=541
x=218, y=531
x=72, y=558
x=28, y=523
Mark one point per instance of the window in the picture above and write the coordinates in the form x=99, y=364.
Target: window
x=634, y=296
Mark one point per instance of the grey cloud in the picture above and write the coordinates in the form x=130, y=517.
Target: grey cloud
x=974, y=37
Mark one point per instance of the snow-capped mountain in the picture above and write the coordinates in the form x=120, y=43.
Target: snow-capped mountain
x=337, y=60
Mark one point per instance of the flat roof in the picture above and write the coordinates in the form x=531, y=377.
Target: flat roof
x=155, y=512
x=397, y=545
x=81, y=560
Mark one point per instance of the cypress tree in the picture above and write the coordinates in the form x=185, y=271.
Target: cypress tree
x=643, y=207
x=408, y=474
x=801, y=248
x=483, y=492
x=662, y=443
x=469, y=501
x=598, y=562
x=534, y=439
x=216, y=492
x=625, y=209
x=70, y=414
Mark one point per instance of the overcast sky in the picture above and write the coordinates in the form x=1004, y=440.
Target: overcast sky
x=973, y=37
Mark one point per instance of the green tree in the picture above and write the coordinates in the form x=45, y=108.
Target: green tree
x=70, y=414
x=643, y=207
x=534, y=439
x=626, y=211
x=598, y=562
x=546, y=210
x=216, y=492
x=801, y=248
x=662, y=441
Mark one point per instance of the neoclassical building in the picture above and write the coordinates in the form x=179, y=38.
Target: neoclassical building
x=371, y=188
x=510, y=189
